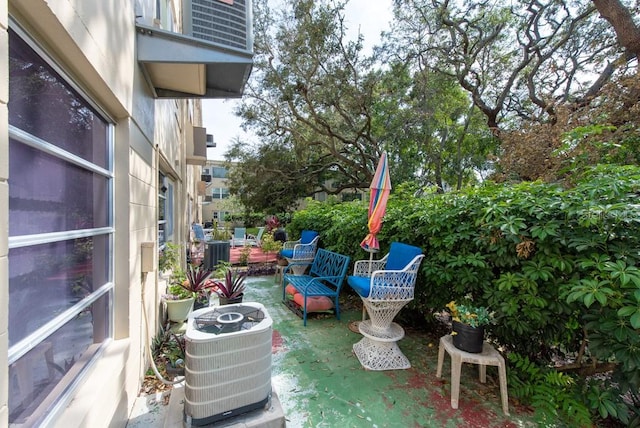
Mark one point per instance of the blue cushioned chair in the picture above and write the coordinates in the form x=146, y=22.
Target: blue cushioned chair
x=385, y=287
x=302, y=250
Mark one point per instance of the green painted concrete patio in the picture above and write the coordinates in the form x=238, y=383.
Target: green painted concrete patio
x=320, y=382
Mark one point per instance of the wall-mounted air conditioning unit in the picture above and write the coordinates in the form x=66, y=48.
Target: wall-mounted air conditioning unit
x=228, y=23
x=210, y=142
x=197, y=147
x=228, y=362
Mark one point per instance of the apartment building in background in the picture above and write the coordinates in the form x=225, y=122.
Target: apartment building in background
x=101, y=156
x=217, y=205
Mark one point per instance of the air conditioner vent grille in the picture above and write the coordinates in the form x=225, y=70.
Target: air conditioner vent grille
x=221, y=23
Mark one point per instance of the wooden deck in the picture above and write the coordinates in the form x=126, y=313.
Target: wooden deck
x=256, y=256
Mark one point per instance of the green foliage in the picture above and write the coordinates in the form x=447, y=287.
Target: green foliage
x=169, y=258
x=176, y=289
x=232, y=284
x=558, y=267
x=245, y=252
x=270, y=245
x=168, y=348
x=552, y=394
x=197, y=281
x=475, y=316
x=604, y=397
x=341, y=225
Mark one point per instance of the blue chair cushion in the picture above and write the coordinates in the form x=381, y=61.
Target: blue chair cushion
x=400, y=255
x=307, y=236
x=361, y=285
x=287, y=253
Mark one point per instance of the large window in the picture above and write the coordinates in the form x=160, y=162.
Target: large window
x=219, y=192
x=219, y=172
x=60, y=234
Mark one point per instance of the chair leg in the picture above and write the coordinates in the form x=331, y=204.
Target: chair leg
x=440, y=359
x=284, y=292
x=304, y=314
x=456, y=370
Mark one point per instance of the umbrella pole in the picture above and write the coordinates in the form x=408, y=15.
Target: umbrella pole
x=364, y=310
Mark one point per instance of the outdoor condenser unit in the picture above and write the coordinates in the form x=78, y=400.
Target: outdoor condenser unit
x=228, y=362
x=226, y=22
x=216, y=252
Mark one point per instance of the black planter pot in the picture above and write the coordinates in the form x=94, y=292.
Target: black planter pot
x=226, y=301
x=200, y=303
x=467, y=338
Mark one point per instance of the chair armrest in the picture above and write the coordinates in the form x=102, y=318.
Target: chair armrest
x=290, y=245
x=304, y=251
x=395, y=284
x=392, y=285
x=367, y=267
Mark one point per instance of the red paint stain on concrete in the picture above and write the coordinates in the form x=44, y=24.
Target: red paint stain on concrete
x=277, y=343
x=388, y=403
x=468, y=414
x=417, y=380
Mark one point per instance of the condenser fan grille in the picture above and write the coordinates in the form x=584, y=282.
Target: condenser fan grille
x=227, y=320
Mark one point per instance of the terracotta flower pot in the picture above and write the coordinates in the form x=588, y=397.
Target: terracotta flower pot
x=467, y=338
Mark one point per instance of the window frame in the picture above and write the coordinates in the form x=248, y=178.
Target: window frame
x=107, y=289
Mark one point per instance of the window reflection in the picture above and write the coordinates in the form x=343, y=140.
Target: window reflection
x=44, y=105
x=48, y=194
x=45, y=280
x=50, y=367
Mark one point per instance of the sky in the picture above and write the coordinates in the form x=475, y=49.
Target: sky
x=370, y=17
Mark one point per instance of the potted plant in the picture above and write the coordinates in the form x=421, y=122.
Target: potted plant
x=178, y=299
x=468, y=322
x=186, y=290
x=168, y=350
x=198, y=284
x=231, y=288
x=218, y=234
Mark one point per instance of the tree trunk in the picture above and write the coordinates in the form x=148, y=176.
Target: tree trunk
x=620, y=18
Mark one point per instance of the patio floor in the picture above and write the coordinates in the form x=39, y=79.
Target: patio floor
x=320, y=382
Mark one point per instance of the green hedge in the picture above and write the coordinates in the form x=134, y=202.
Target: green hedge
x=558, y=266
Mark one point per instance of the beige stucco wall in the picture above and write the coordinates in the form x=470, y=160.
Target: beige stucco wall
x=94, y=41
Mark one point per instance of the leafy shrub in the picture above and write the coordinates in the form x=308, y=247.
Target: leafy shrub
x=552, y=394
x=557, y=265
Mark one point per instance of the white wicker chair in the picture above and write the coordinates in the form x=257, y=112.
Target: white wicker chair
x=302, y=250
x=385, y=287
